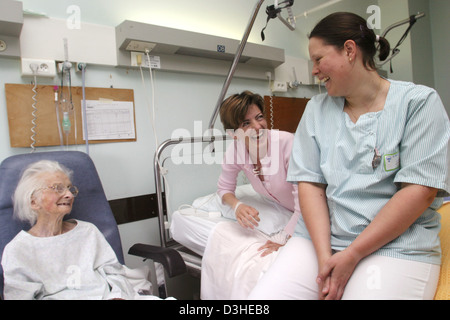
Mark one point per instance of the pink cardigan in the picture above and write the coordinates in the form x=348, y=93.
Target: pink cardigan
x=275, y=166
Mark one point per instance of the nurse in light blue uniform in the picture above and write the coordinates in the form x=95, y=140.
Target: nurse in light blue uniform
x=371, y=160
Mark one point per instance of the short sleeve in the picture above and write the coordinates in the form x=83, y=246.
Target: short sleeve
x=304, y=163
x=424, y=149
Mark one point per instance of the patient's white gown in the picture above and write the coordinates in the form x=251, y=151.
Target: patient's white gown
x=79, y=264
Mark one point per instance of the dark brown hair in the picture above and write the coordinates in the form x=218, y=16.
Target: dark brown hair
x=234, y=108
x=339, y=27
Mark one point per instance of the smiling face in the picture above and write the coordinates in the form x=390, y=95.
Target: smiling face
x=253, y=129
x=330, y=65
x=254, y=121
x=47, y=201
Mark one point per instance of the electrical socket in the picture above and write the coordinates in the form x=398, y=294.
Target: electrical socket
x=45, y=68
x=279, y=86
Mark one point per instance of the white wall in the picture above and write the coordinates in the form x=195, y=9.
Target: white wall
x=126, y=169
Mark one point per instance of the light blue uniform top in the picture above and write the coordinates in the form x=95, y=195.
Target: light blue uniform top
x=411, y=134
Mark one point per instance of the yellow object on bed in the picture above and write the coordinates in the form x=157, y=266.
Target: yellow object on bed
x=443, y=290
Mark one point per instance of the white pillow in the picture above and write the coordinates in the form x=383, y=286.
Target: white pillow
x=274, y=217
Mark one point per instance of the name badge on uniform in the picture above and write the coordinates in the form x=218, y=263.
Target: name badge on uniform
x=391, y=161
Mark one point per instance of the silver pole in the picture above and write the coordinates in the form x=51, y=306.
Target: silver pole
x=234, y=64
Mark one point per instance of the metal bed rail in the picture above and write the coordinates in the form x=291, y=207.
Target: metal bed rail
x=192, y=260
x=159, y=177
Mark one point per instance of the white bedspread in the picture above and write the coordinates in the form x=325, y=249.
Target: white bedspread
x=192, y=231
x=232, y=264
x=191, y=228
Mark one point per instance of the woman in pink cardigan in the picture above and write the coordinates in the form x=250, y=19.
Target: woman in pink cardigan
x=263, y=155
x=236, y=255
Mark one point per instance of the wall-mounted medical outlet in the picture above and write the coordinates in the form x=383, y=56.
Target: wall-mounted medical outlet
x=38, y=67
x=79, y=66
x=279, y=86
x=2, y=45
x=67, y=65
x=141, y=59
x=11, y=23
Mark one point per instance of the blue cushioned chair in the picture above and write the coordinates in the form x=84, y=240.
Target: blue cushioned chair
x=90, y=205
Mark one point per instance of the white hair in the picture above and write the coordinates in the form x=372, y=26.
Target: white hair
x=31, y=180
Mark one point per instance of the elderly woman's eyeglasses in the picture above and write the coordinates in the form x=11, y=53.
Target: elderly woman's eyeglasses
x=61, y=189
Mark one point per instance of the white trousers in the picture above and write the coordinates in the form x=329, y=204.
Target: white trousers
x=294, y=272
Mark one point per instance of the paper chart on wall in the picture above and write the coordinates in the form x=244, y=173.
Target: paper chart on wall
x=108, y=120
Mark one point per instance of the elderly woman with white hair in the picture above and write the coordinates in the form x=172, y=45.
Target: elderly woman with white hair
x=56, y=258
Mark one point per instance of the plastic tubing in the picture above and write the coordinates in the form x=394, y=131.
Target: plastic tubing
x=33, y=128
x=58, y=120
x=83, y=85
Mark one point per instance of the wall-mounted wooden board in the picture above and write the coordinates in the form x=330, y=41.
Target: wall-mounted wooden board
x=19, y=101
x=285, y=112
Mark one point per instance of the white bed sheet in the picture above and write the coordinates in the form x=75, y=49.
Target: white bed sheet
x=192, y=231
x=191, y=226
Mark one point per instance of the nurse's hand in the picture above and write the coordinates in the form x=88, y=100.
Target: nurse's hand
x=334, y=275
x=248, y=217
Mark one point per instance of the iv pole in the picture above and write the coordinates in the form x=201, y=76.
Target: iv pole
x=234, y=64
x=240, y=49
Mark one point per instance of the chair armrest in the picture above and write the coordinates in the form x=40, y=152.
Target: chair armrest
x=169, y=258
